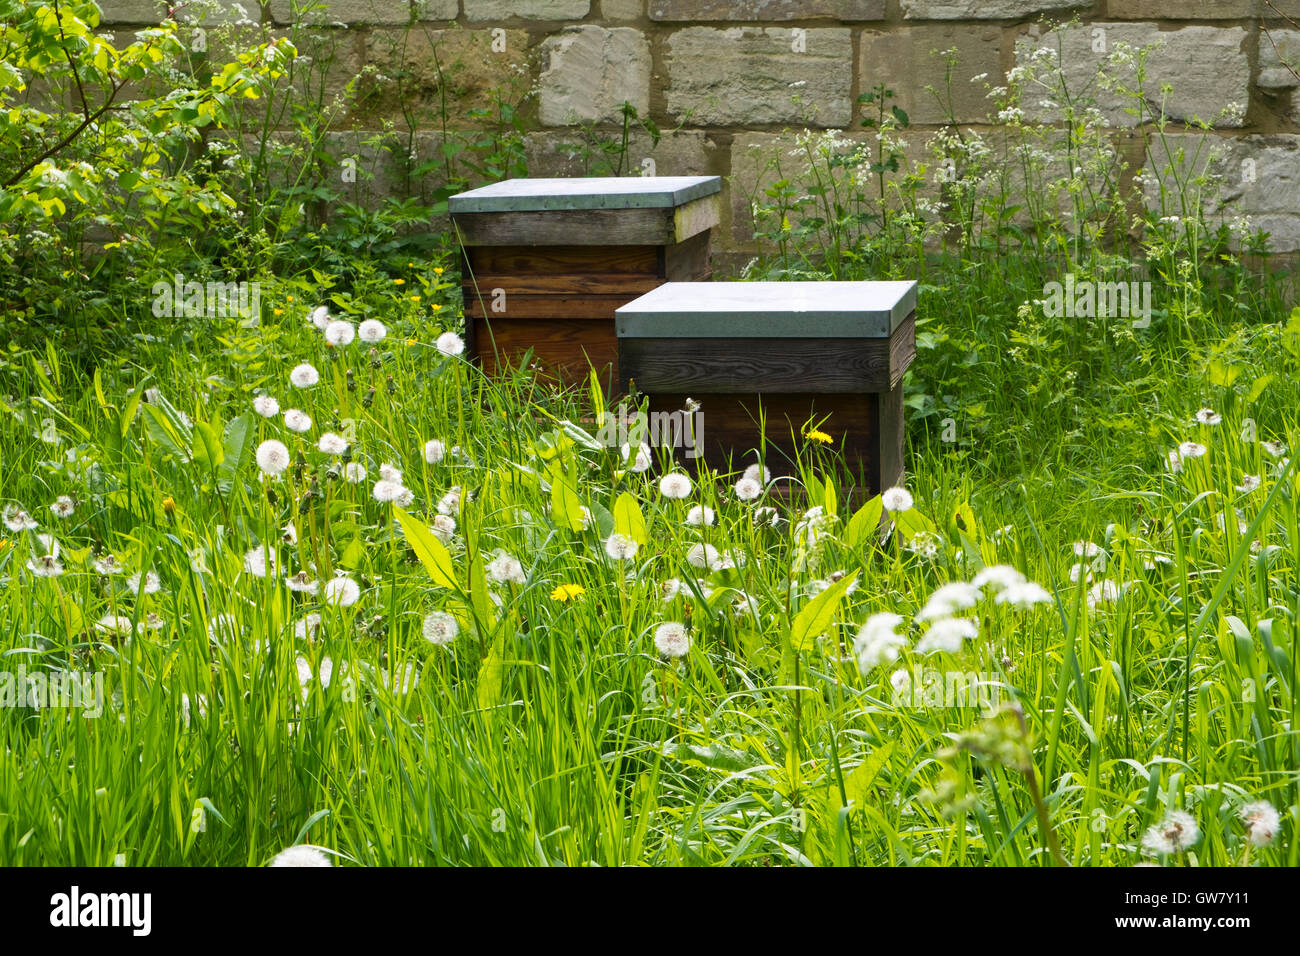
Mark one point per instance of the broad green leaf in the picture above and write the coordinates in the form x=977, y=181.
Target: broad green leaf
x=628, y=519
x=491, y=676
x=237, y=443
x=431, y=552
x=910, y=523
x=864, y=524
x=162, y=431
x=816, y=616
x=207, y=449
x=857, y=785
x=566, y=507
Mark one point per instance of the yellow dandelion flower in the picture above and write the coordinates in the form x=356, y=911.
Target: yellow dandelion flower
x=169, y=504
x=438, y=270
x=567, y=592
x=290, y=299
x=410, y=341
x=415, y=298
x=819, y=436
x=278, y=311
x=399, y=282
x=435, y=306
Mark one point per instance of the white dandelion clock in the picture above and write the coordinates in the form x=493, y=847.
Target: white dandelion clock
x=949, y=599
x=304, y=375
x=340, y=333
x=642, y=460
x=16, y=519
x=342, y=591
x=332, y=443
x=1191, y=449
x=757, y=473
x=449, y=504
x=63, y=507
x=443, y=528
x=45, y=566
x=259, y=560
x=320, y=317
x=439, y=628
x=947, y=634
x=371, y=331
x=1262, y=822
x=114, y=625
x=675, y=485
x=897, y=500
x=354, y=472
x=272, y=457
x=998, y=577
x=307, y=628
x=301, y=855
x=878, y=641
x=1248, y=484
x=672, y=639
x=700, y=515
x=703, y=556
x=450, y=344
x=434, y=451
x=1024, y=595
x=1208, y=416
x=1103, y=592
x=1176, y=833
x=266, y=406
x=297, y=420
x=620, y=547
x=747, y=489
x=301, y=583
x=387, y=492
x=504, y=569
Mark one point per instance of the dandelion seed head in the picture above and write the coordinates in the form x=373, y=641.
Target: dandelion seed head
x=450, y=344
x=1176, y=833
x=620, y=547
x=505, y=569
x=304, y=375
x=371, y=331
x=675, y=485
x=342, y=591
x=897, y=500
x=439, y=628
x=700, y=515
x=332, y=444
x=297, y=420
x=672, y=639
x=339, y=333
x=747, y=489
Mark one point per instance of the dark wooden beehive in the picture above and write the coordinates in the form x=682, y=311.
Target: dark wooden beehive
x=828, y=356
x=547, y=261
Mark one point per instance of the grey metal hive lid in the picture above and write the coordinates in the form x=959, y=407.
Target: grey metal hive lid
x=825, y=310
x=601, y=192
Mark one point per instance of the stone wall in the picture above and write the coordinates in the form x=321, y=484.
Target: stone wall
x=721, y=77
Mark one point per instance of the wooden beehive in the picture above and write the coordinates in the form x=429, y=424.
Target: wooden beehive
x=547, y=261
x=795, y=355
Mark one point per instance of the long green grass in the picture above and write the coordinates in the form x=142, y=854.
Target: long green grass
x=552, y=730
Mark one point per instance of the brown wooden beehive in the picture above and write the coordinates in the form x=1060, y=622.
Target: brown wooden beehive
x=547, y=261
x=797, y=356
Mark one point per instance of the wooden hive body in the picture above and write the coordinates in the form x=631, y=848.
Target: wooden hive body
x=797, y=355
x=547, y=261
